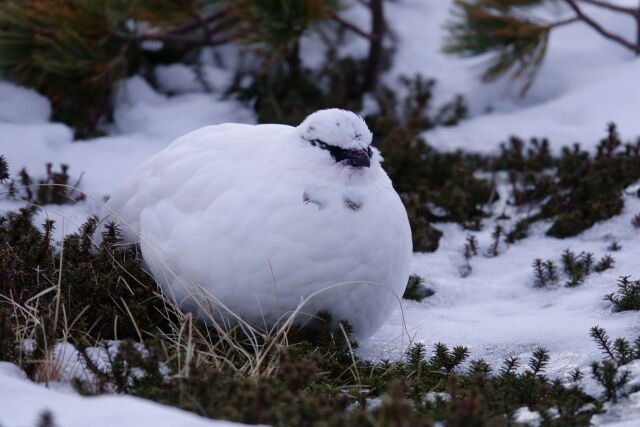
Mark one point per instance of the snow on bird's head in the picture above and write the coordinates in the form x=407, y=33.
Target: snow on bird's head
x=335, y=127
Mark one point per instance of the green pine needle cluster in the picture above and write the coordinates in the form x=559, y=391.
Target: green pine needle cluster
x=75, y=51
x=518, y=43
x=575, y=268
x=278, y=24
x=628, y=295
x=416, y=290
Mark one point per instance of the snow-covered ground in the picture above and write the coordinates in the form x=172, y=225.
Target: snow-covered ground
x=585, y=82
x=70, y=410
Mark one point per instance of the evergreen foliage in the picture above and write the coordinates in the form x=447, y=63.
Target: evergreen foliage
x=54, y=188
x=608, y=373
x=4, y=169
x=577, y=189
x=517, y=39
x=545, y=273
x=279, y=24
x=470, y=250
x=311, y=378
x=488, y=26
x=416, y=290
x=76, y=51
x=576, y=268
x=310, y=383
x=628, y=295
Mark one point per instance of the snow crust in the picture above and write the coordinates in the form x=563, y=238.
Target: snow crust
x=22, y=402
x=585, y=82
x=22, y=105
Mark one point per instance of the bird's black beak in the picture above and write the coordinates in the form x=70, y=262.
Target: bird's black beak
x=358, y=158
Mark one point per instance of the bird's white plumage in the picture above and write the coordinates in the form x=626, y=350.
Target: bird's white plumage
x=260, y=218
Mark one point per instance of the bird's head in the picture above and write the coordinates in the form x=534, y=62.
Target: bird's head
x=342, y=134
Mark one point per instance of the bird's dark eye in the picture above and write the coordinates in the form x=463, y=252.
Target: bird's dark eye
x=339, y=154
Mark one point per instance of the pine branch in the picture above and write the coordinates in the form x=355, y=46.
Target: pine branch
x=352, y=27
x=600, y=29
x=199, y=21
x=175, y=39
x=606, y=5
x=602, y=339
x=564, y=22
x=509, y=366
x=539, y=360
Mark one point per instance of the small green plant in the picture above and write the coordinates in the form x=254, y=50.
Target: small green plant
x=575, y=190
x=497, y=235
x=55, y=188
x=608, y=372
x=606, y=262
x=470, y=250
x=416, y=290
x=545, y=273
x=575, y=267
x=628, y=295
x=516, y=38
x=4, y=169
x=614, y=246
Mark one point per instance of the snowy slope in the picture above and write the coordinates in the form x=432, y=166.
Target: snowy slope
x=585, y=82
x=22, y=403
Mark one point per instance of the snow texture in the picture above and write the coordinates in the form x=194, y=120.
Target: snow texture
x=585, y=82
x=256, y=219
x=22, y=402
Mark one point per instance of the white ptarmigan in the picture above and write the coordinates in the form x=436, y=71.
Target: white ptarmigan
x=257, y=218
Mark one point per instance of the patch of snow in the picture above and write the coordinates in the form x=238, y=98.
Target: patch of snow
x=22, y=105
x=180, y=78
x=141, y=110
x=22, y=402
x=497, y=312
x=525, y=416
x=585, y=82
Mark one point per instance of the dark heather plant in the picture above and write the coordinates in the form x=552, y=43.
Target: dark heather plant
x=518, y=40
x=628, y=295
x=4, y=169
x=576, y=268
x=609, y=372
x=416, y=290
x=54, y=188
x=545, y=273
x=308, y=388
x=470, y=250
x=309, y=377
x=575, y=190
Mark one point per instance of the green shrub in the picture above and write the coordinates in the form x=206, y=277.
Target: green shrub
x=416, y=290
x=628, y=295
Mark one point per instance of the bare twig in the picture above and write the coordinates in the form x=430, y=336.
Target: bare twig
x=199, y=21
x=174, y=39
x=607, y=5
x=350, y=26
x=374, y=61
x=564, y=22
x=596, y=26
